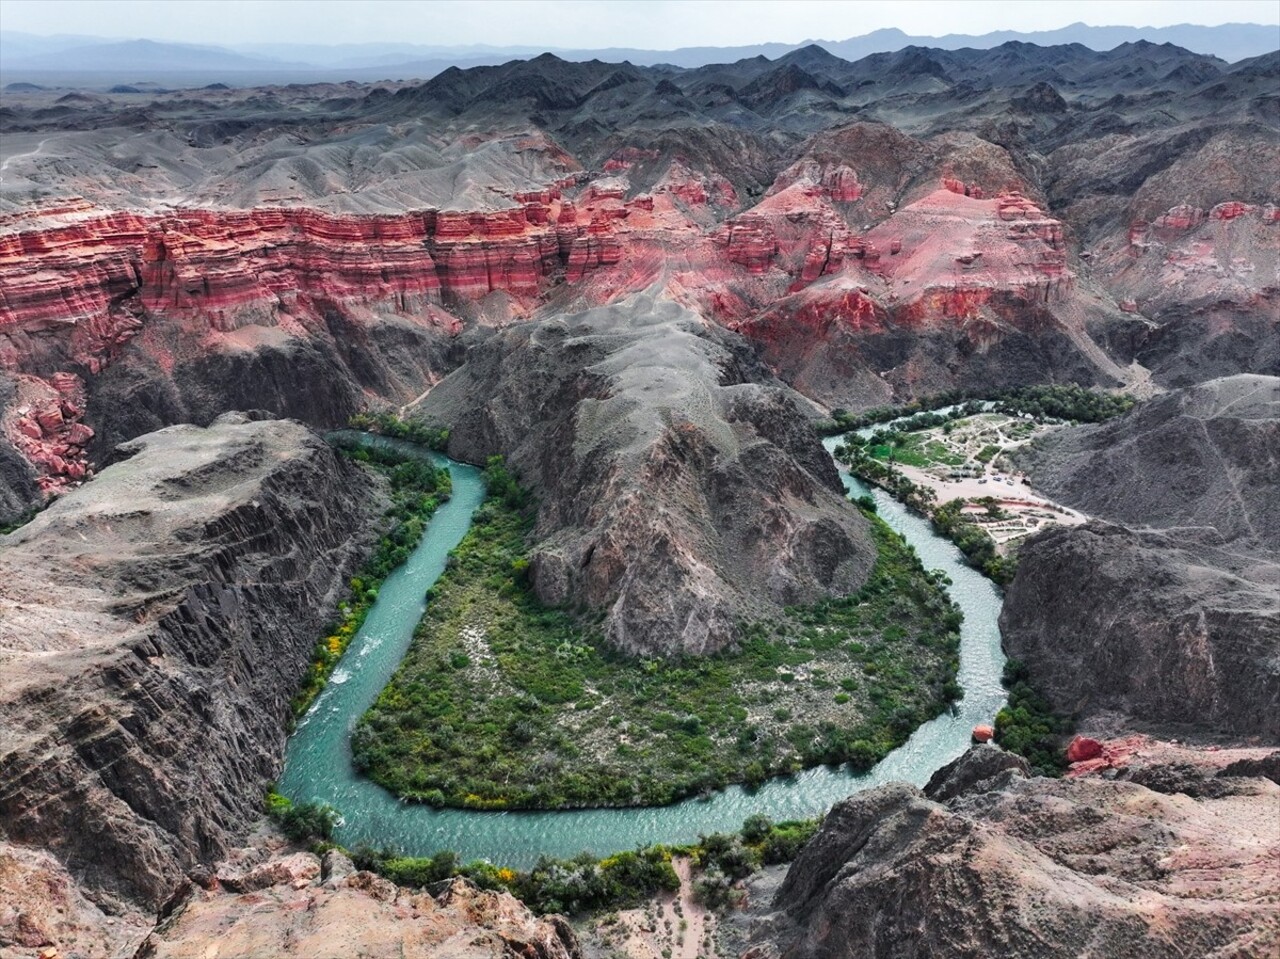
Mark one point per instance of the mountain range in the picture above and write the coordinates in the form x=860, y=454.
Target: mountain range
x=79, y=60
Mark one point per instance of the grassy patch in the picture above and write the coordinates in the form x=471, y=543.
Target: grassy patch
x=23, y=520
x=417, y=489
x=915, y=449
x=502, y=703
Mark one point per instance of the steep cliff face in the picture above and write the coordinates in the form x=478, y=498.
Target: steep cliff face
x=153, y=626
x=1162, y=629
x=1176, y=627
x=1010, y=866
x=100, y=276
x=19, y=483
x=133, y=321
x=679, y=487
x=1211, y=281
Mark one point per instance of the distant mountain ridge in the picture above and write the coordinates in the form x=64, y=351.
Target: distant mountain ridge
x=67, y=57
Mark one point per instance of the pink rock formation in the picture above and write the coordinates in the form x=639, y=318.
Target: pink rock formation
x=94, y=280
x=44, y=425
x=1230, y=210
x=749, y=242
x=696, y=189
x=956, y=252
x=835, y=181
x=1177, y=220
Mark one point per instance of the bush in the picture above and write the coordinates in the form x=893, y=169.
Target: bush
x=1028, y=726
x=302, y=822
x=756, y=828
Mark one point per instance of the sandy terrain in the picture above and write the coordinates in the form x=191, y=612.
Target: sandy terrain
x=668, y=927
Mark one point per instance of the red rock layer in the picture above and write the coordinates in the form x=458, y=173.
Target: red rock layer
x=749, y=241
x=98, y=275
x=1174, y=223
x=44, y=424
x=697, y=189
x=835, y=181
x=955, y=252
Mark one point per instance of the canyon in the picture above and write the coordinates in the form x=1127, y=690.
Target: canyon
x=643, y=287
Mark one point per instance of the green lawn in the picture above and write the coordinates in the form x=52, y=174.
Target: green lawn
x=921, y=451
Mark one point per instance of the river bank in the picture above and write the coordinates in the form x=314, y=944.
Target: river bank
x=318, y=765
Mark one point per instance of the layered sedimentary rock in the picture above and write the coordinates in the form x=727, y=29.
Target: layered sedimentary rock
x=153, y=626
x=131, y=321
x=949, y=291
x=646, y=433
x=988, y=862
x=102, y=275
x=1210, y=279
x=1173, y=626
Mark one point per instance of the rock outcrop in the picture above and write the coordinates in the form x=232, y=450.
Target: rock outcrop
x=1154, y=627
x=359, y=914
x=1042, y=868
x=1175, y=626
x=645, y=433
x=153, y=627
x=266, y=900
x=1203, y=457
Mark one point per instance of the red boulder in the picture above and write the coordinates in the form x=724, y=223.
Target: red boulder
x=1083, y=748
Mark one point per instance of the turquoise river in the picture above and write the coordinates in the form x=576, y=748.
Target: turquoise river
x=318, y=759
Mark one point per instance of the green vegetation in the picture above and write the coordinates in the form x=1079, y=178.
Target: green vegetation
x=586, y=884
x=1064, y=401
x=417, y=489
x=842, y=421
x=23, y=520
x=388, y=424
x=726, y=858
x=979, y=549
x=913, y=449
x=302, y=822
x=1028, y=727
x=578, y=885
x=860, y=457
x=502, y=703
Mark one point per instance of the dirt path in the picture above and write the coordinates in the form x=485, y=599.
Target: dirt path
x=415, y=401
x=667, y=927
x=4, y=165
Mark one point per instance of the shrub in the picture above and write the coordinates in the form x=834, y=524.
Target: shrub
x=302, y=822
x=1028, y=726
x=756, y=828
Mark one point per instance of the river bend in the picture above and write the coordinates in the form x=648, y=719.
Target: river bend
x=318, y=759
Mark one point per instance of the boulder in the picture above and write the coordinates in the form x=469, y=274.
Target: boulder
x=1082, y=749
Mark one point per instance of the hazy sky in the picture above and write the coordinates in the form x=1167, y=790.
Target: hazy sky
x=651, y=24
